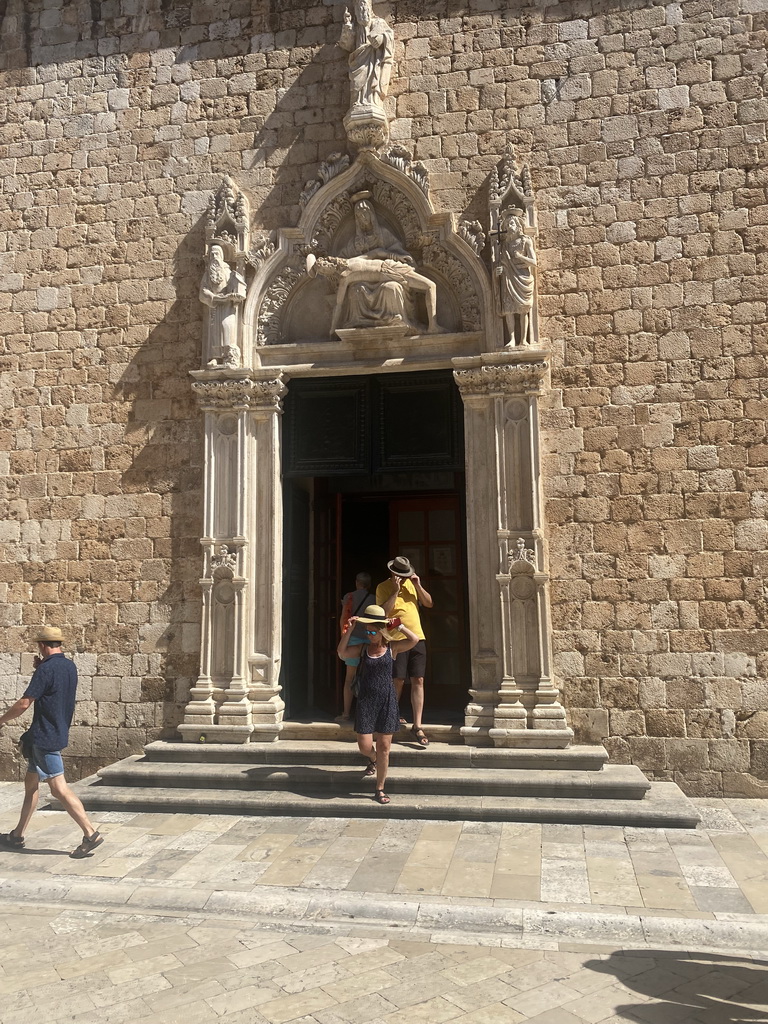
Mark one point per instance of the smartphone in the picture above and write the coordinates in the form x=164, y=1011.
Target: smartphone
x=394, y=623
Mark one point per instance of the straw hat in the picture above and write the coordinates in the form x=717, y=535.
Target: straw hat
x=49, y=635
x=374, y=613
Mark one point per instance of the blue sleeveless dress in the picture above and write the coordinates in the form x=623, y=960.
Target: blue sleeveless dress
x=377, y=709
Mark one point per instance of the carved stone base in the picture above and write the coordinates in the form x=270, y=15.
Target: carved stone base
x=200, y=711
x=216, y=733
x=492, y=713
x=386, y=333
x=532, y=738
x=550, y=716
x=366, y=126
x=267, y=732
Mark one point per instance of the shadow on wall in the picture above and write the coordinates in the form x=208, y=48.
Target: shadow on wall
x=35, y=33
x=160, y=467
x=708, y=988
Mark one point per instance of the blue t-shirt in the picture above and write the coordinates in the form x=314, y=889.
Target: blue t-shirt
x=52, y=687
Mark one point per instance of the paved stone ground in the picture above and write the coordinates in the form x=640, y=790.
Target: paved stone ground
x=324, y=921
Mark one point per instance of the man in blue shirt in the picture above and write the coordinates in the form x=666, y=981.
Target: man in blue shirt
x=52, y=690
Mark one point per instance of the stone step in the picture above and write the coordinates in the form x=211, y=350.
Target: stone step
x=405, y=753
x=312, y=729
x=612, y=782
x=664, y=806
x=536, y=739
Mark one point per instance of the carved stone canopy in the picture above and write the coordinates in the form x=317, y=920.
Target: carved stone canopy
x=228, y=221
x=287, y=306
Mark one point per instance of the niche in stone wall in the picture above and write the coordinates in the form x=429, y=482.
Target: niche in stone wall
x=524, y=623
x=225, y=593
x=224, y=453
x=518, y=457
x=223, y=631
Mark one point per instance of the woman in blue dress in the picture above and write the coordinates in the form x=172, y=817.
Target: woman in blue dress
x=377, y=711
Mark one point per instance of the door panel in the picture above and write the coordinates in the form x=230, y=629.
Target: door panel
x=324, y=668
x=429, y=532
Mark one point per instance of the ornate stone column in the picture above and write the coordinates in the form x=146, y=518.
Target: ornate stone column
x=236, y=693
x=265, y=530
x=513, y=700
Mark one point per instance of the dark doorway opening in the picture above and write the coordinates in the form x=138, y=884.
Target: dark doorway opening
x=404, y=495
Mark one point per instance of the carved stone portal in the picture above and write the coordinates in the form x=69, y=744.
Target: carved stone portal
x=373, y=277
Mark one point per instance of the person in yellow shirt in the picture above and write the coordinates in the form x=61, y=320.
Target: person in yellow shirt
x=400, y=597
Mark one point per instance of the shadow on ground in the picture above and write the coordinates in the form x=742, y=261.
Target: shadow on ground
x=689, y=988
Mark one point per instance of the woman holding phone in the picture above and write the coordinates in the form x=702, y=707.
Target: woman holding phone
x=377, y=711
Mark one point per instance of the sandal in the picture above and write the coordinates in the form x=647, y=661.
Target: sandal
x=11, y=842
x=381, y=797
x=88, y=845
x=369, y=770
x=420, y=737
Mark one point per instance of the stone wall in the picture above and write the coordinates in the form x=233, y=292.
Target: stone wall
x=644, y=127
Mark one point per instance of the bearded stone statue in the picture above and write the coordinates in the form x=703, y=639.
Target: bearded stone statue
x=223, y=290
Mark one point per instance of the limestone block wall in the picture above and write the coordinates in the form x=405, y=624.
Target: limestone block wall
x=644, y=127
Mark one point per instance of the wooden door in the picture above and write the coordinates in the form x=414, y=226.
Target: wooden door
x=430, y=533
x=327, y=600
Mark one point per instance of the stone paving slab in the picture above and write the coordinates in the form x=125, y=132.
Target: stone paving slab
x=135, y=967
x=720, y=868
x=341, y=921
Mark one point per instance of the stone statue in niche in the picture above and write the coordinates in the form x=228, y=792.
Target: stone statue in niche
x=516, y=273
x=375, y=292
x=223, y=290
x=370, y=42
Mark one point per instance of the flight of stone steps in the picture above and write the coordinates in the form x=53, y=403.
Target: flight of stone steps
x=316, y=769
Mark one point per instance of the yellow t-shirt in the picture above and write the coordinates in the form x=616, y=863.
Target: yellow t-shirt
x=406, y=606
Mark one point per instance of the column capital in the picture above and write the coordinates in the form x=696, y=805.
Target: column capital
x=240, y=393
x=506, y=379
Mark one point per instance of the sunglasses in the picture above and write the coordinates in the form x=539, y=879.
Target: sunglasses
x=371, y=632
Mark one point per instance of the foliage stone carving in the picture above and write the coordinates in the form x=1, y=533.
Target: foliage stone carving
x=273, y=304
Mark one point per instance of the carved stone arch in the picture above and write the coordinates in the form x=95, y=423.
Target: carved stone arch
x=280, y=294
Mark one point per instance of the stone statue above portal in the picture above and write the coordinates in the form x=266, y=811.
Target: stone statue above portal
x=223, y=289
x=373, y=293
x=370, y=42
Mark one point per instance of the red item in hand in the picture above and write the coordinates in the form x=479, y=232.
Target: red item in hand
x=394, y=623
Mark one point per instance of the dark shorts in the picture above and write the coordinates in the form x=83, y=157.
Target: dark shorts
x=411, y=664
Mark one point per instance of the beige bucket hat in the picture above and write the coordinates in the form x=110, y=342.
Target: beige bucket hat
x=49, y=634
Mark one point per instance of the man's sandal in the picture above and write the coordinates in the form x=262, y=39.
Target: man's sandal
x=420, y=737
x=370, y=769
x=381, y=797
x=11, y=842
x=88, y=845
